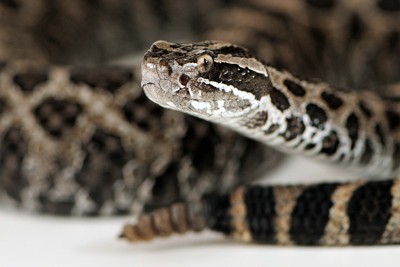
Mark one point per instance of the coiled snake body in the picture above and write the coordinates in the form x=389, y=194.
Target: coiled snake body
x=89, y=130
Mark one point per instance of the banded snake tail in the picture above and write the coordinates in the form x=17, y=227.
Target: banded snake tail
x=225, y=84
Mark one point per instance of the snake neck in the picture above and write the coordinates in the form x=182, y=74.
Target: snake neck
x=223, y=83
x=355, y=128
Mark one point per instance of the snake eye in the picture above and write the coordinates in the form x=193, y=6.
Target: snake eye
x=204, y=63
x=184, y=79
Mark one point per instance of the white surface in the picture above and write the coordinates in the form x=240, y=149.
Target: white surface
x=32, y=240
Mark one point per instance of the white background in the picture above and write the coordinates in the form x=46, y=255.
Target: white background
x=37, y=240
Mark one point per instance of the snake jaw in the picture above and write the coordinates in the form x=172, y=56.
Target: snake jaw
x=186, y=78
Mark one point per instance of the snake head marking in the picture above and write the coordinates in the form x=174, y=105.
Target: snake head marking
x=208, y=78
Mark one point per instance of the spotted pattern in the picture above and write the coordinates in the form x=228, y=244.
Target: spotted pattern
x=352, y=126
x=28, y=81
x=334, y=102
x=57, y=116
x=393, y=119
x=279, y=99
x=295, y=128
x=365, y=109
x=330, y=144
x=108, y=78
x=12, y=151
x=317, y=116
x=294, y=88
x=368, y=152
x=101, y=121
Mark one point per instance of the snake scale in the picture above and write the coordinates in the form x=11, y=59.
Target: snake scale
x=85, y=140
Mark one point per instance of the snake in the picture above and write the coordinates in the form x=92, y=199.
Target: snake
x=85, y=140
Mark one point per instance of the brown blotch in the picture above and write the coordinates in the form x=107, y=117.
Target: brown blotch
x=379, y=133
x=330, y=143
x=368, y=152
x=352, y=126
x=3, y=64
x=322, y=4
x=356, y=27
x=333, y=101
x=317, y=115
x=310, y=146
x=143, y=113
x=365, y=109
x=108, y=78
x=3, y=106
x=27, y=81
x=258, y=120
x=57, y=116
x=294, y=87
x=13, y=4
x=396, y=157
x=272, y=128
x=12, y=154
x=389, y=5
x=295, y=127
x=279, y=99
x=393, y=119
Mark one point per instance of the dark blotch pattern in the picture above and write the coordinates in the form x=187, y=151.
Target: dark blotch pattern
x=143, y=113
x=295, y=127
x=260, y=207
x=330, y=143
x=199, y=142
x=368, y=152
x=272, y=128
x=389, y=5
x=352, y=126
x=356, y=27
x=379, y=133
x=257, y=120
x=3, y=106
x=248, y=80
x=369, y=210
x=310, y=146
x=396, y=157
x=109, y=78
x=294, y=88
x=393, y=120
x=27, y=81
x=234, y=51
x=217, y=213
x=333, y=101
x=311, y=214
x=323, y=4
x=59, y=207
x=3, y=64
x=279, y=99
x=102, y=166
x=317, y=115
x=13, y=4
x=365, y=109
x=165, y=190
x=12, y=152
x=57, y=117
